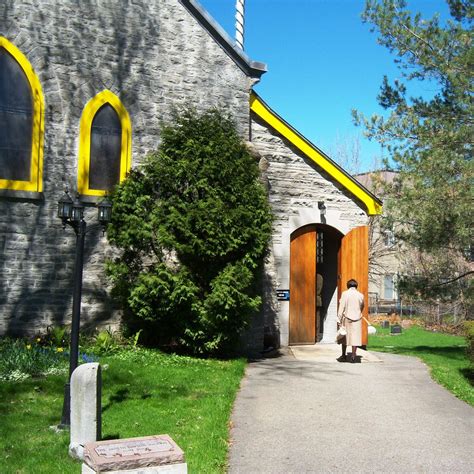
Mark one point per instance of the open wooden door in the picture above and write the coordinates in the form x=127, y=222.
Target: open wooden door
x=303, y=329
x=353, y=262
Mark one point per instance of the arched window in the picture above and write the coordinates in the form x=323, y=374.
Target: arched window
x=21, y=122
x=105, y=145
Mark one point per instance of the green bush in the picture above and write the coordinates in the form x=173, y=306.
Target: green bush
x=20, y=360
x=469, y=331
x=106, y=342
x=58, y=335
x=193, y=225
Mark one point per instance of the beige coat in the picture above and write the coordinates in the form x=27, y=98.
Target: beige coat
x=350, y=315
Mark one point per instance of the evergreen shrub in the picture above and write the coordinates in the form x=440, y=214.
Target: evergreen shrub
x=193, y=225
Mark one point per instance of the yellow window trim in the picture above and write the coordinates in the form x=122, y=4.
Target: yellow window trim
x=88, y=114
x=35, y=184
x=262, y=110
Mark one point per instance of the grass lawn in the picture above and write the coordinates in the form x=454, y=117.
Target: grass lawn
x=144, y=393
x=444, y=354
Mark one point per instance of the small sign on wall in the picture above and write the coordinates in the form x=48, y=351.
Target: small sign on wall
x=283, y=295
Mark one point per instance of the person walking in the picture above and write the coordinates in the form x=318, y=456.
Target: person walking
x=349, y=315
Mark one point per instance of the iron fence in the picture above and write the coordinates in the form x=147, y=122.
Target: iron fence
x=434, y=312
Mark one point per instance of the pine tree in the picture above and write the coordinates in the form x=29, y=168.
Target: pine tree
x=429, y=140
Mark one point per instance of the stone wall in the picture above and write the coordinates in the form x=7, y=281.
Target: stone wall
x=155, y=56
x=295, y=185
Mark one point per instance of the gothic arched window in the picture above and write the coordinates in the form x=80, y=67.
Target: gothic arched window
x=21, y=122
x=105, y=145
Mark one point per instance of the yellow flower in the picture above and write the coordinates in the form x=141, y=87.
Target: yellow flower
x=59, y=349
x=28, y=346
x=38, y=339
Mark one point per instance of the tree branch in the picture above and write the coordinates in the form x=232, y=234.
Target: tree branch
x=471, y=272
x=419, y=38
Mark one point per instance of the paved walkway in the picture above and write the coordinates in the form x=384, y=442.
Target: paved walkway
x=304, y=412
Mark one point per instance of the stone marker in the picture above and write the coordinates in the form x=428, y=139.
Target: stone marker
x=149, y=454
x=85, y=408
x=396, y=329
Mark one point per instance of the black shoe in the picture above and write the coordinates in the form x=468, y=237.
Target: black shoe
x=342, y=359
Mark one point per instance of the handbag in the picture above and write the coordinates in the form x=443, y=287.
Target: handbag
x=370, y=329
x=341, y=334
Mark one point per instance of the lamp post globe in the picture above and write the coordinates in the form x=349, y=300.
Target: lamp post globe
x=104, y=214
x=65, y=207
x=77, y=211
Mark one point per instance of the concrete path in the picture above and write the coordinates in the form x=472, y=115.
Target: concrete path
x=304, y=412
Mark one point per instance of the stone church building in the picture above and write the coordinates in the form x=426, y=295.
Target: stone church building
x=84, y=88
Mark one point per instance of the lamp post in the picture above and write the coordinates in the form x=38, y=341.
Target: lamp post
x=322, y=211
x=72, y=213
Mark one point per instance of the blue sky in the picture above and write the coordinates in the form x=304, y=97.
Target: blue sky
x=322, y=62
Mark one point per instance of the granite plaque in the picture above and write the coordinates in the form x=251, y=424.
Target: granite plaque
x=132, y=453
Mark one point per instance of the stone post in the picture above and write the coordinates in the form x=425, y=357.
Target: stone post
x=86, y=408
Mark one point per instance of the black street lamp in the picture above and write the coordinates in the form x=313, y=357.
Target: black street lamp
x=72, y=214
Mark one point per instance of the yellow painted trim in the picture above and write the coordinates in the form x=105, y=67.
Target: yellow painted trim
x=261, y=109
x=35, y=182
x=87, y=117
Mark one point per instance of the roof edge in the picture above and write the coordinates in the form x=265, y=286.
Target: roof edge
x=372, y=203
x=253, y=69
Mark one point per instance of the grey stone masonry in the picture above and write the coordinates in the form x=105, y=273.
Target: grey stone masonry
x=155, y=56
x=295, y=185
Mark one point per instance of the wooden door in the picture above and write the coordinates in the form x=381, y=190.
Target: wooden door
x=353, y=262
x=302, y=322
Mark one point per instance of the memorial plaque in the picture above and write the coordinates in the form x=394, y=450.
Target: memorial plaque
x=132, y=453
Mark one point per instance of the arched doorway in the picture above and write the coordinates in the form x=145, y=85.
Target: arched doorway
x=320, y=249
x=313, y=280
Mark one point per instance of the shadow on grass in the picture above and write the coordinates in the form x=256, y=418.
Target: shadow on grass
x=119, y=396
x=468, y=374
x=163, y=392
x=110, y=437
x=51, y=384
x=32, y=403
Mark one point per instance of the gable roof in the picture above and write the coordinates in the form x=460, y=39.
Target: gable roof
x=271, y=118
x=252, y=68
